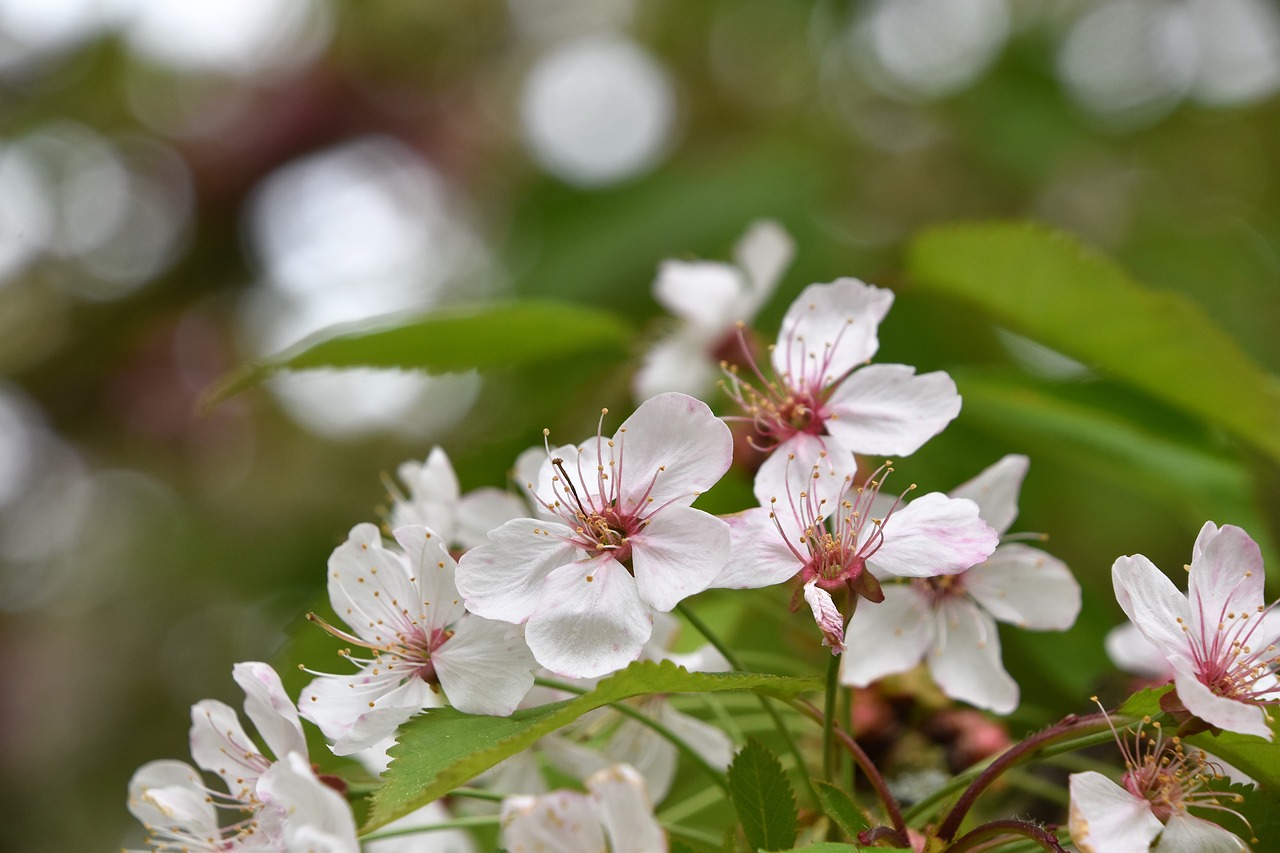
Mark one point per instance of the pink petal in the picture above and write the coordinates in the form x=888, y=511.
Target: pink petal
x=887, y=410
x=829, y=330
x=1230, y=714
x=672, y=448
x=590, y=620
x=1226, y=579
x=1026, y=587
x=316, y=816
x=813, y=464
x=887, y=638
x=270, y=708
x=996, y=490
x=503, y=579
x=1153, y=603
x=1105, y=818
x=965, y=661
x=679, y=553
x=485, y=667
x=219, y=744
x=757, y=555
x=827, y=615
x=934, y=535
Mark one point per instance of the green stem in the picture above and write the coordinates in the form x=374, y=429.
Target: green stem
x=658, y=728
x=477, y=794
x=705, y=630
x=828, y=719
x=456, y=823
x=983, y=835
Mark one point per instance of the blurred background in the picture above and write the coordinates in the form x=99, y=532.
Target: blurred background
x=186, y=186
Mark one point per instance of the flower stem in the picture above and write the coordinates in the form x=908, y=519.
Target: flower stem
x=980, y=836
x=828, y=719
x=658, y=728
x=455, y=823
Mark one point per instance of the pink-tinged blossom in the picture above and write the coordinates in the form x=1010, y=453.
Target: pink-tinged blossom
x=619, y=541
x=1220, y=638
x=435, y=500
x=826, y=533
x=403, y=607
x=614, y=816
x=709, y=299
x=1149, y=809
x=824, y=395
x=950, y=620
x=274, y=803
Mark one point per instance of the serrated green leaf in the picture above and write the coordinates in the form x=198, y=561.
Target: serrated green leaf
x=441, y=749
x=841, y=808
x=1049, y=287
x=763, y=797
x=476, y=338
x=1144, y=703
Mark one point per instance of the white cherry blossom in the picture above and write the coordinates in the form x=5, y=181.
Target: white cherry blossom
x=950, y=620
x=624, y=541
x=823, y=395
x=710, y=298
x=615, y=816
x=1220, y=639
x=403, y=606
x=435, y=500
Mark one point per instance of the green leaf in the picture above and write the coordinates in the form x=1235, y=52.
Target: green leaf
x=1250, y=754
x=1144, y=703
x=829, y=847
x=763, y=797
x=841, y=808
x=1047, y=286
x=443, y=748
x=475, y=338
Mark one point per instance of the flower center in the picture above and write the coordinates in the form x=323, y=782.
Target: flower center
x=607, y=532
x=941, y=587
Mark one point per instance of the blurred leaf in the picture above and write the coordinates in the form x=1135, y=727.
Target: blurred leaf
x=841, y=808
x=763, y=796
x=1249, y=754
x=475, y=338
x=1261, y=812
x=1046, y=285
x=443, y=748
x=829, y=847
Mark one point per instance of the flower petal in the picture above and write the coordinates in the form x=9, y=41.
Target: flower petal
x=1230, y=714
x=316, y=817
x=219, y=744
x=1026, y=587
x=934, y=535
x=433, y=494
x=965, y=661
x=171, y=795
x=382, y=716
x=436, y=602
x=829, y=330
x=996, y=490
x=887, y=638
x=827, y=615
x=886, y=409
x=679, y=553
x=503, y=579
x=708, y=741
x=705, y=294
x=653, y=757
x=561, y=820
x=1226, y=579
x=758, y=556
x=1131, y=651
x=626, y=811
x=270, y=708
x=1153, y=603
x=439, y=841
x=485, y=667
x=679, y=362
x=590, y=620
x=764, y=253
x=369, y=586
x=672, y=448
x=795, y=465
x=1105, y=818
x=1186, y=833
x=483, y=510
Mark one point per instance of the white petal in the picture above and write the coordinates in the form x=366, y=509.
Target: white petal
x=1207, y=532
x=1105, y=818
x=654, y=757
x=1229, y=714
x=802, y=463
x=335, y=702
x=671, y=448
x=436, y=602
x=219, y=744
x=1026, y=587
x=706, y=294
x=437, y=841
x=678, y=362
x=483, y=510
x=1152, y=602
x=757, y=555
x=433, y=494
x=829, y=330
x=887, y=410
x=996, y=490
x=886, y=638
x=316, y=817
x=559, y=821
x=369, y=586
x=934, y=535
x=270, y=708
x=586, y=628
x=708, y=741
x=503, y=579
x=171, y=795
x=1226, y=578
x=1131, y=651
x=1185, y=833
x=827, y=615
x=763, y=253
x=679, y=553
x=485, y=667
x=965, y=660
x=387, y=712
x=625, y=811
